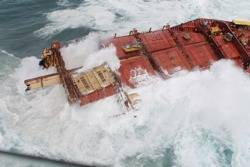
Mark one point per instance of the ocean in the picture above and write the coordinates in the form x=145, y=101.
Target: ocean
x=194, y=119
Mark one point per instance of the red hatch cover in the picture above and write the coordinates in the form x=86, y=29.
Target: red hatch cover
x=170, y=60
x=132, y=68
x=120, y=42
x=228, y=48
x=186, y=38
x=157, y=40
x=201, y=54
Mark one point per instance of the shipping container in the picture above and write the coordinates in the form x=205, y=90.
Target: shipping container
x=95, y=84
x=99, y=94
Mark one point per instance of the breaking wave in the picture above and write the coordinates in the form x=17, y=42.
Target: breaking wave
x=197, y=118
x=193, y=119
x=121, y=16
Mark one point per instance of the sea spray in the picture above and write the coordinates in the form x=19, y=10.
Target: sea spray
x=177, y=113
x=124, y=15
x=199, y=118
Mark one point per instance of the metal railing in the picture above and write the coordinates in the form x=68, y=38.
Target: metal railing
x=24, y=159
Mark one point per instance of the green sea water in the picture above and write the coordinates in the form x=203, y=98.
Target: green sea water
x=195, y=120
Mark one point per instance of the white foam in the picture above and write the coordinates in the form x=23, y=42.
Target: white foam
x=29, y=68
x=198, y=114
x=7, y=53
x=63, y=2
x=121, y=16
x=94, y=17
x=174, y=112
x=86, y=53
x=77, y=52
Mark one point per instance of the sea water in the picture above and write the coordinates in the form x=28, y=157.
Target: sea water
x=194, y=119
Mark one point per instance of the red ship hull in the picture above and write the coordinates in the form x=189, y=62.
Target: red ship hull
x=184, y=47
x=194, y=44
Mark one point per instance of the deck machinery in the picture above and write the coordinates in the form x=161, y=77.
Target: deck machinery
x=193, y=44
